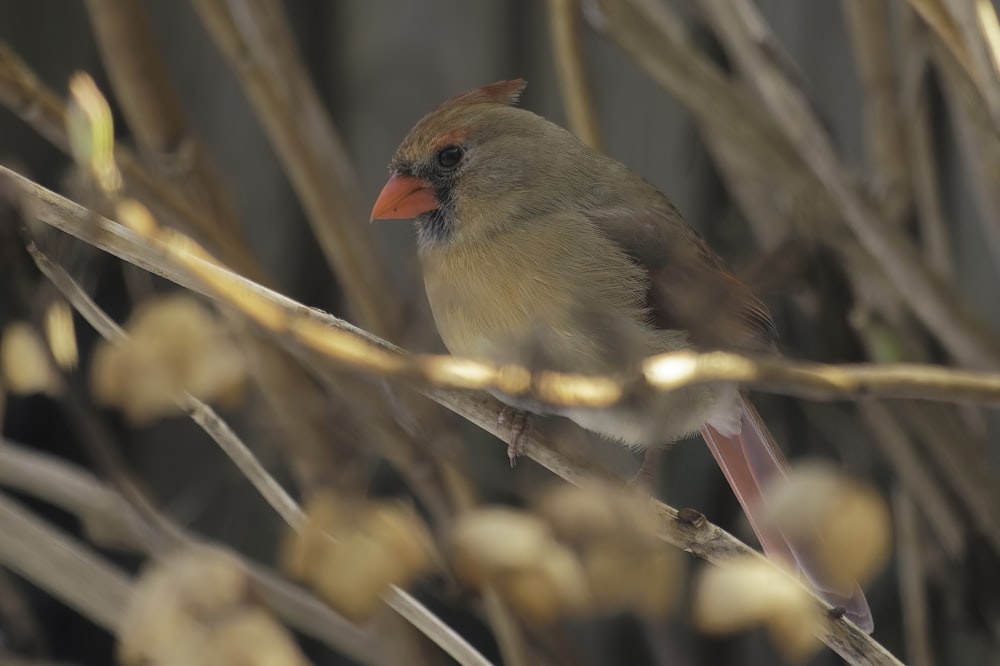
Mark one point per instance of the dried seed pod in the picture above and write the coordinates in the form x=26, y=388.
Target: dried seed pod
x=176, y=345
x=842, y=524
x=486, y=541
x=24, y=361
x=753, y=592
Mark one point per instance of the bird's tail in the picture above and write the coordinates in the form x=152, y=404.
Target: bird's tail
x=750, y=460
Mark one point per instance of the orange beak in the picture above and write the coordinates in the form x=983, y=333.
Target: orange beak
x=403, y=197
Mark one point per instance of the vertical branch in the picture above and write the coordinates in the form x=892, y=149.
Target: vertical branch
x=153, y=113
x=897, y=447
x=977, y=24
x=910, y=566
x=934, y=238
x=868, y=23
x=941, y=22
x=256, y=38
x=978, y=140
x=564, y=30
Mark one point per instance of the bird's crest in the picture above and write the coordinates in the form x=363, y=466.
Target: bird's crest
x=441, y=126
x=501, y=92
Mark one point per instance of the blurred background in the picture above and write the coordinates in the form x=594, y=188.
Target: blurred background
x=899, y=89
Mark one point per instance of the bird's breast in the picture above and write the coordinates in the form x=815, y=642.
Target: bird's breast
x=547, y=297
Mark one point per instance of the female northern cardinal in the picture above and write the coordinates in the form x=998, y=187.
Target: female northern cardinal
x=539, y=251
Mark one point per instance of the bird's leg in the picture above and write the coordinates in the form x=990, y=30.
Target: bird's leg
x=517, y=421
x=645, y=479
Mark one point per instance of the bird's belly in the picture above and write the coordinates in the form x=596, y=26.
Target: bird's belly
x=509, y=321
x=663, y=418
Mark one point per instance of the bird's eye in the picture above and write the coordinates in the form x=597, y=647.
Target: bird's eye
x=449, y=157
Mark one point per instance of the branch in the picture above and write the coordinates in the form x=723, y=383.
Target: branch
x=941, y=22
x=912, y=580
x=978, y=141
x=870, y=30
x=564, y=31
x=925, y=186
x=61, y=566
x=977, y=24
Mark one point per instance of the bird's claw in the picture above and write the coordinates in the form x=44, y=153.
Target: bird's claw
x=644, y=481
x=517, y=421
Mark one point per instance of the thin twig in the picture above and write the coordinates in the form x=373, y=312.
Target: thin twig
x=934, y=237
x=62, y=567
x=433, y=627
x=979, y=143
x=976, y=21
x=898, y=448
x=944, y=311
x=564, y=31
x=964, y=470
x=942, y=23
x=869, y=27
x=912, y=580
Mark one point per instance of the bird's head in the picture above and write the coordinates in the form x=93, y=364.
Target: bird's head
x=477, y=163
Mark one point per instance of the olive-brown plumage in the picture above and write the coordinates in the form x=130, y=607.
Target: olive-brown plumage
x=537, y=250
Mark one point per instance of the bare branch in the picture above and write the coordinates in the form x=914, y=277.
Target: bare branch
x=869, y=27
x=976, y=21
x=937, y=16
x=256, y=38
x=925, y=185
x=62, y=567
x=564, y=30
x=979, y=143
x=912, y=581
x=897, y=447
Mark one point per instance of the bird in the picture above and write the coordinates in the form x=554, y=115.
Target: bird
x=537, y=250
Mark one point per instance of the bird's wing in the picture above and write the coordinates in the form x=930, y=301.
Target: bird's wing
x=689, y=287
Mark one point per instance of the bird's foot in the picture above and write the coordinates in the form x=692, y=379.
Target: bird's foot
x=517, y=421
x=644, y=481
